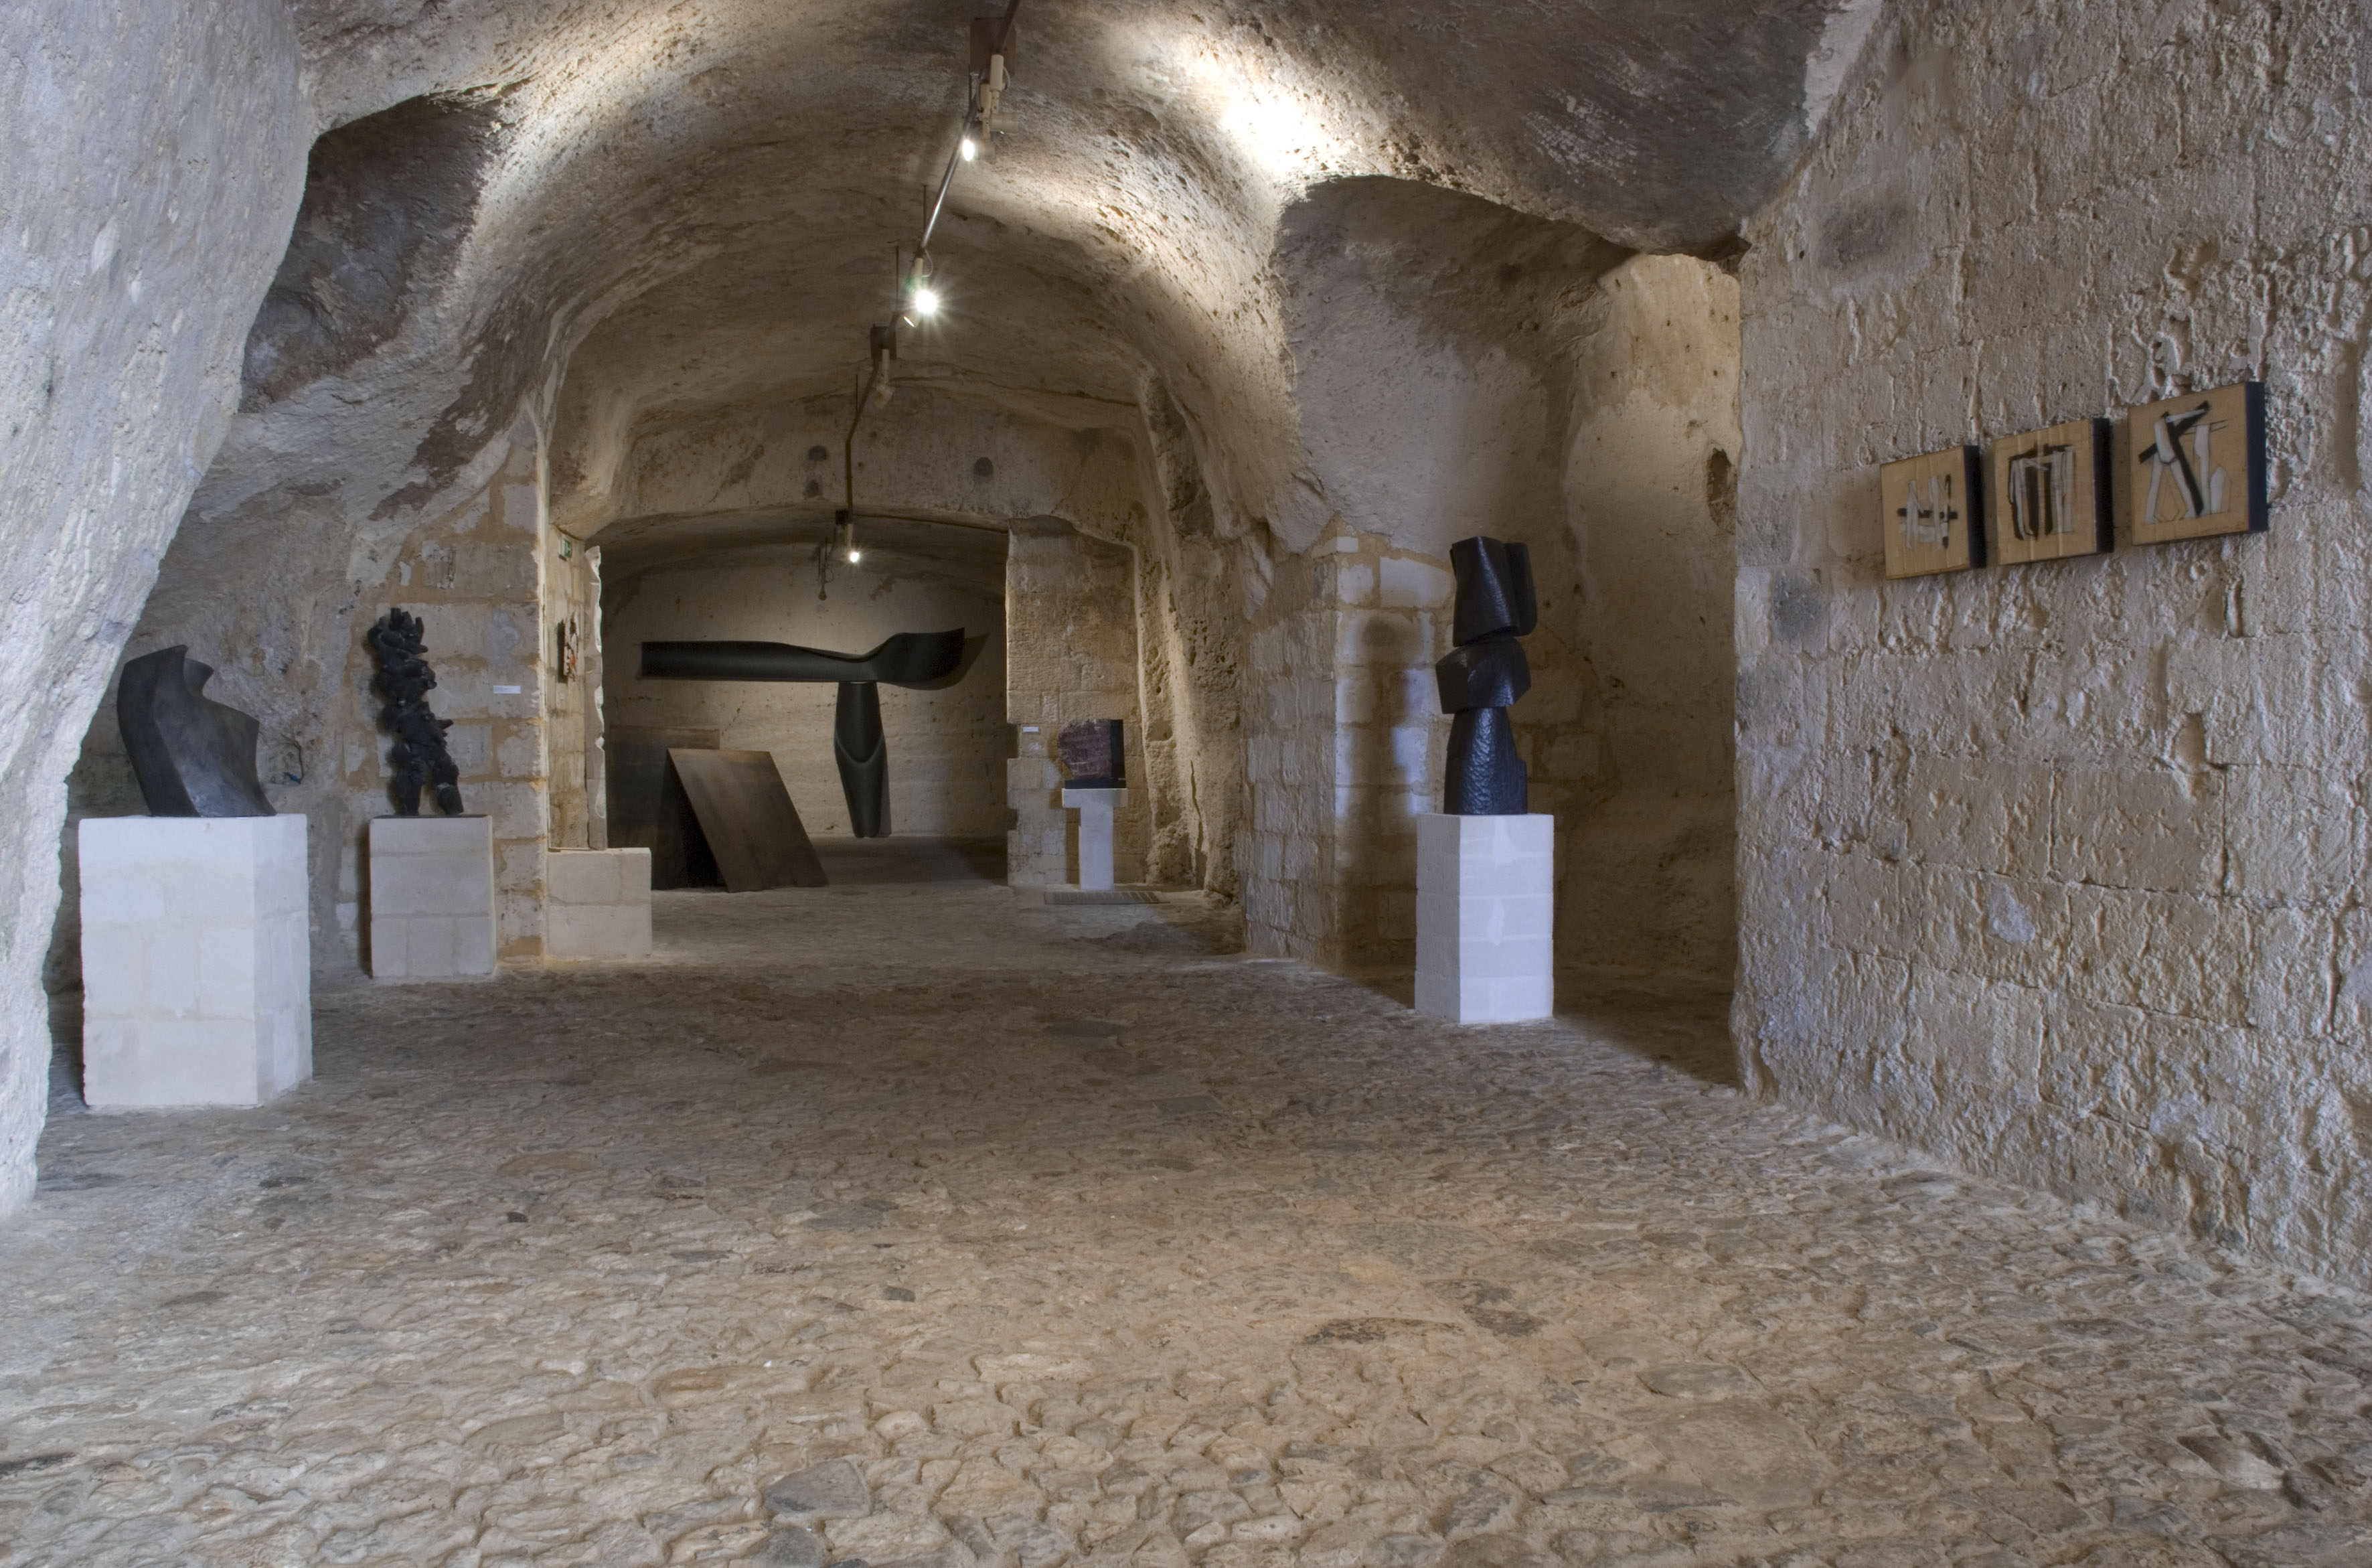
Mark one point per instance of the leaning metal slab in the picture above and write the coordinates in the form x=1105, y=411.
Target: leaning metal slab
x=749, y=821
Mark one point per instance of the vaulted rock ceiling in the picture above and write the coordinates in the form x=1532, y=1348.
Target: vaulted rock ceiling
x=695, y=205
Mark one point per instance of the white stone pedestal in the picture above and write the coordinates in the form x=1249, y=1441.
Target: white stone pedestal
x=1094, y=807
x=197, y=970
x=1037, y=847
x=432, y=898
x=1485, y=906
x=599, y=903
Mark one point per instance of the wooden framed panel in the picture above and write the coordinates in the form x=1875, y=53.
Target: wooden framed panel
x=1929, y=508
x=2049, y=494
x=2198, y=465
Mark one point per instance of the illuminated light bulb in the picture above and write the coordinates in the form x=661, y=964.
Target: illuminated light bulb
x=926, y=301
x=970, y=149
x=855, y=555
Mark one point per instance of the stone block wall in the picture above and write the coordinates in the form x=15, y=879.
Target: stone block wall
x=572, y=691
x=2058, y=869
x=1286, y=849
x=1071, y=632
x=1345, y=742
x=475, y=576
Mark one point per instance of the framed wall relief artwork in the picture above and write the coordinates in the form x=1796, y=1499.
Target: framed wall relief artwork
x=2198, y=465
x=2049, y=496
x=1928, y=507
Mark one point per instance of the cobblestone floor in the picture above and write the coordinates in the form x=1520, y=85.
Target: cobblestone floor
x=914, y=1222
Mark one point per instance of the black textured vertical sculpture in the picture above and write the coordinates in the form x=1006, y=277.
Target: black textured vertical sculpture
x=194, y=757
x=405, y=679
x=1484, y=675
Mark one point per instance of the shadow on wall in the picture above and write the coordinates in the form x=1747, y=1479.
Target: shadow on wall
x=102, y=784
x=1395, y=761
x=1647, y=821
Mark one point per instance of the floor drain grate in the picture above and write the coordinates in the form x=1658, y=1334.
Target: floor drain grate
x=1102, y=896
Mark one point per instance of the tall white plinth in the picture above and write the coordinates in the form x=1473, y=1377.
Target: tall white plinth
x=597, y=903
x=196, y=966
x=1094, y=807
x=1485, y=912
x=432, y=898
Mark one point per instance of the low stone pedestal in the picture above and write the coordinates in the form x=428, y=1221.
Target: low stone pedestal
x=1037, y=846
x=197, y=970
x=597, y=903
x=1485, y=909
x=432, y=898
x=1094, y=807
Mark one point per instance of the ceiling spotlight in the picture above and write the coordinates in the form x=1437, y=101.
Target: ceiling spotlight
x=926, y=301
x=970, y=149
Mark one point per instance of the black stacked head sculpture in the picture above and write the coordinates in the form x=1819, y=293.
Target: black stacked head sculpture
x=405, y=679
x=1484, y=675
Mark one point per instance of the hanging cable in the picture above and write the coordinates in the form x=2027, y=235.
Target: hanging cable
x=985, y=81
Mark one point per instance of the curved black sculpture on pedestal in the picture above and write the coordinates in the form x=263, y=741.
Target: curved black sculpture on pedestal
x=920, y=661
x=405, y=679
x=194, y=757
x=1484, y=675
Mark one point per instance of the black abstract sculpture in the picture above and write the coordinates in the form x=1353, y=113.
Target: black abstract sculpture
x=194, y=757
x=1093, y=755
x=1484, y=675
x=405, y=679
x=920, y=661
x=861, y=752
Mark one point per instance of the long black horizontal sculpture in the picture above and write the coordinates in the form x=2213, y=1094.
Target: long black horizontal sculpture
x=1484, y=675
x=920, y=661
x=194, y=757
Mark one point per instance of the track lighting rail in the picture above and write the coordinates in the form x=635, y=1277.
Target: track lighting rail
x=986, y=86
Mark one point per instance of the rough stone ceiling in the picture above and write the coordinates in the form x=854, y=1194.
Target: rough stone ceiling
x=697, y=200
x=950, y=550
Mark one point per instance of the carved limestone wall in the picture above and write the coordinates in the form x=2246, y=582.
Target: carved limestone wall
x=2059, y=869
x=1071, y=609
